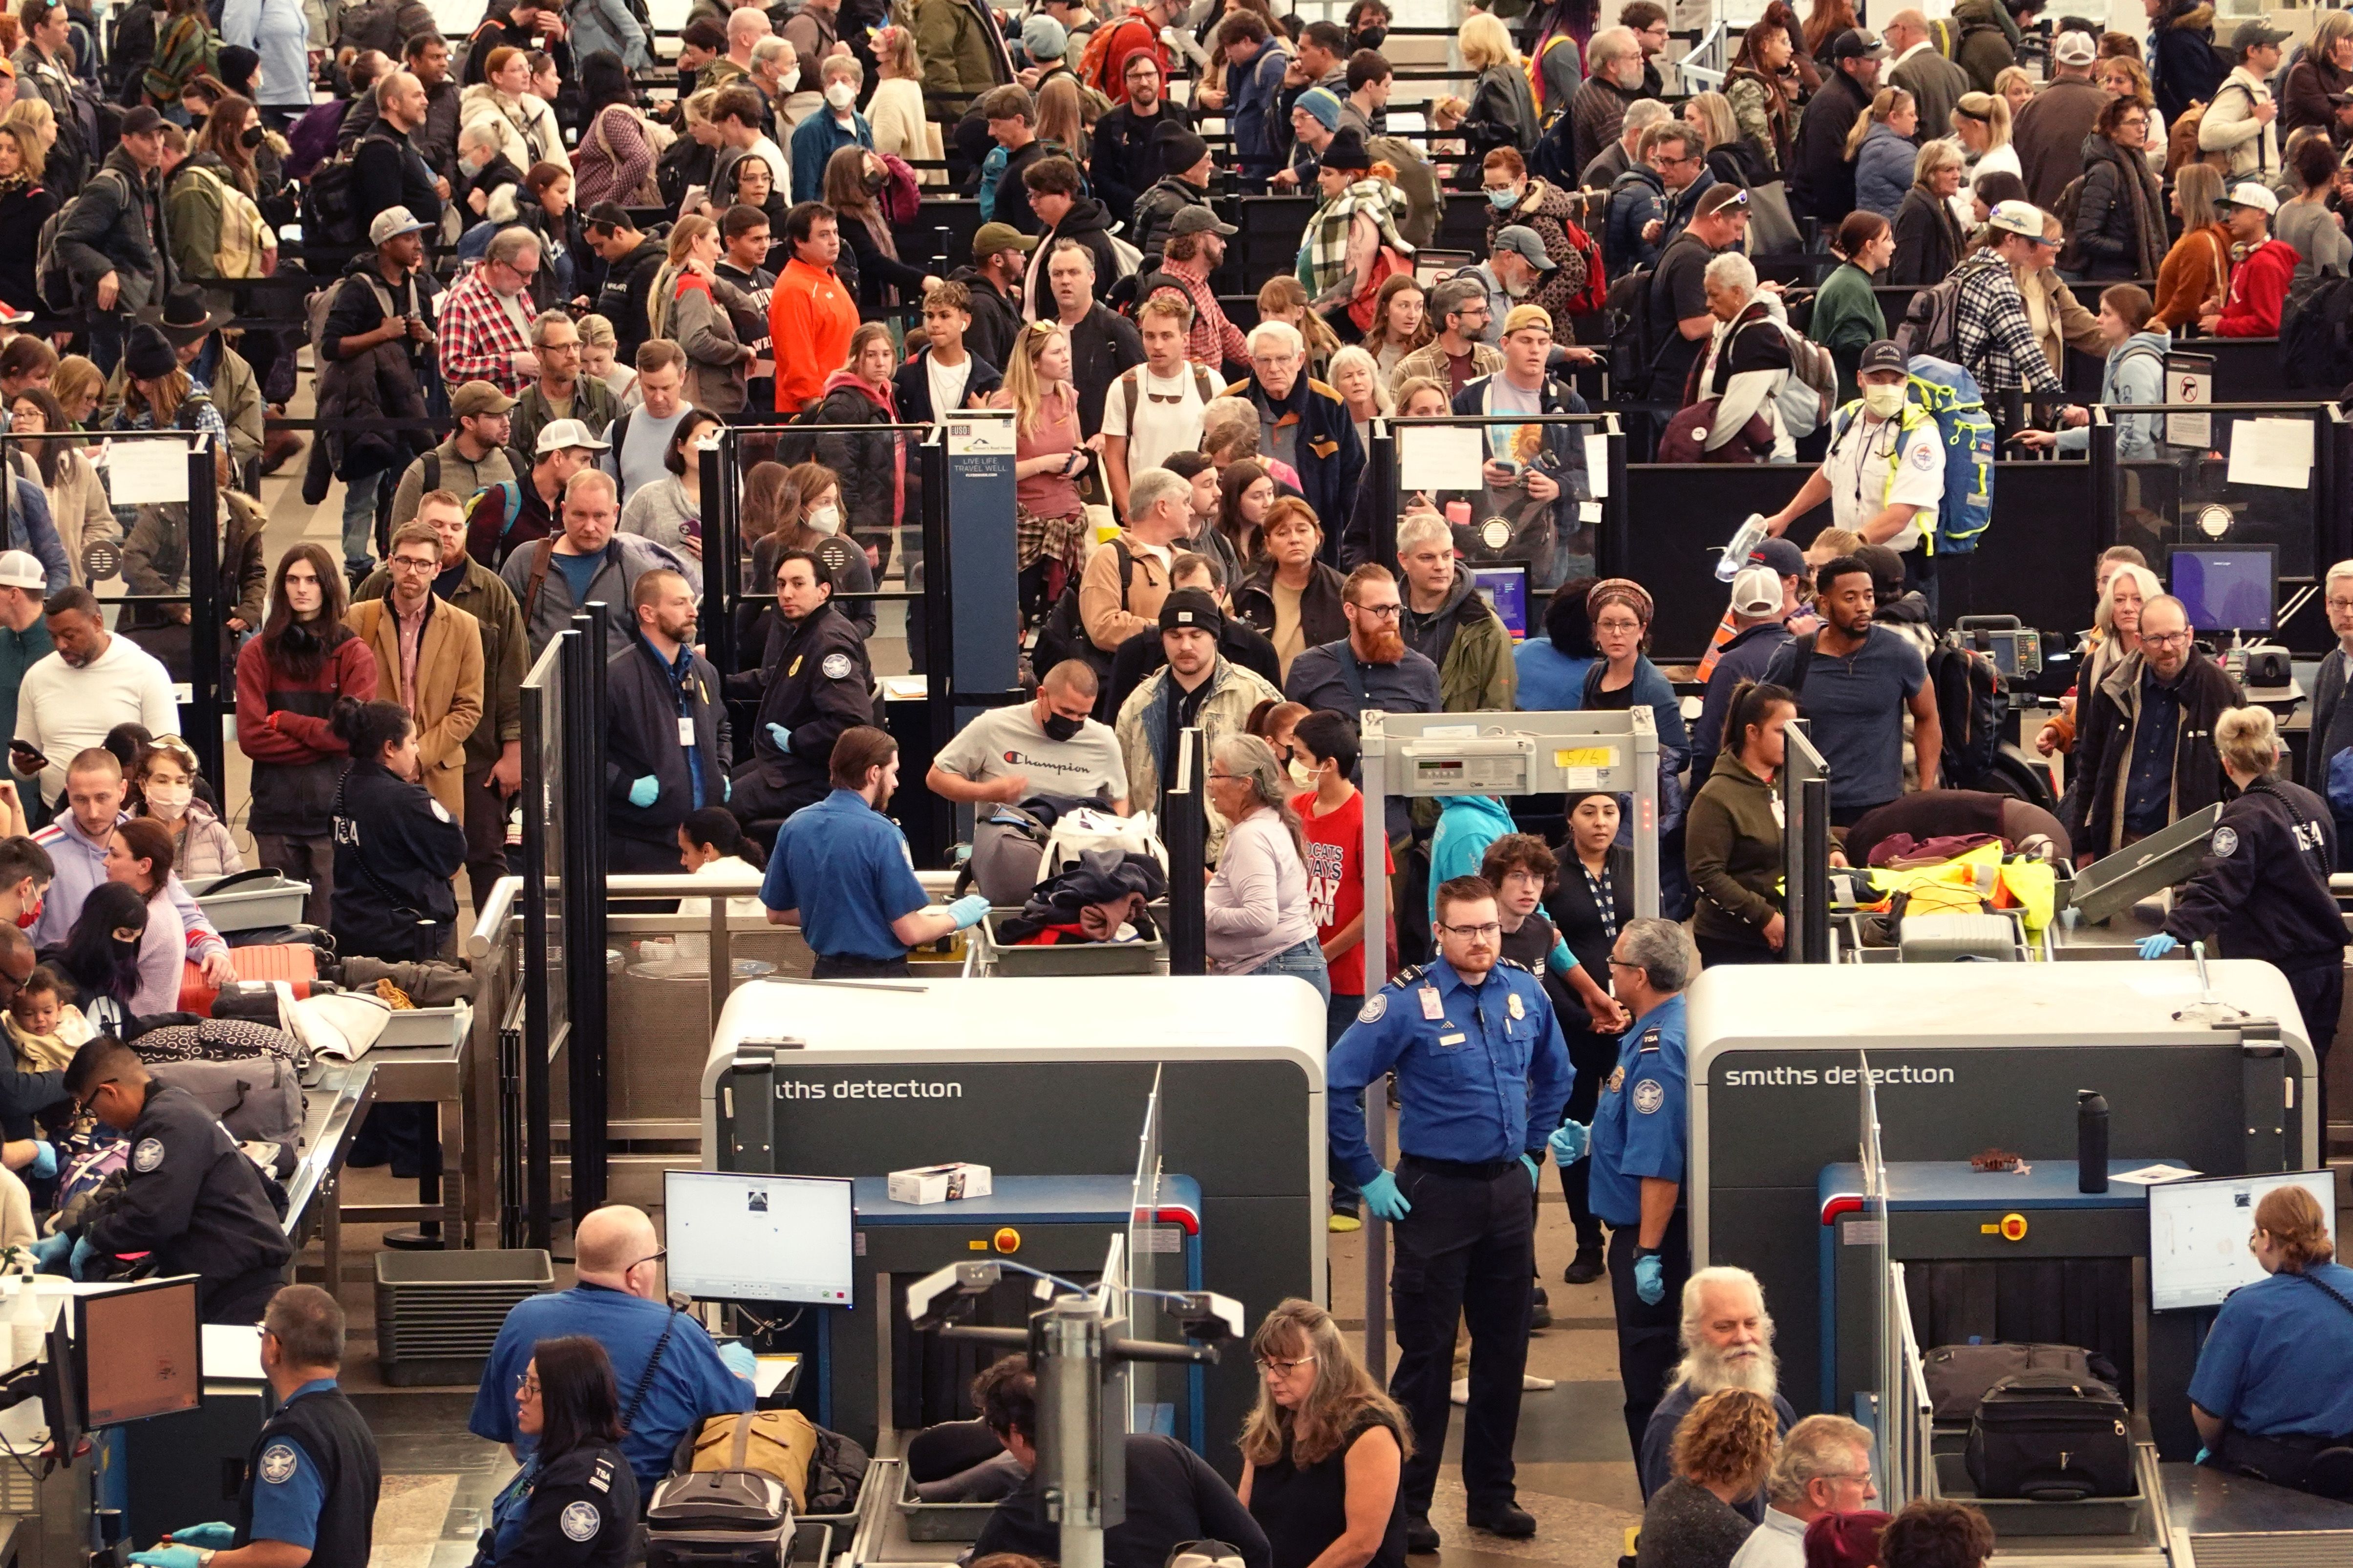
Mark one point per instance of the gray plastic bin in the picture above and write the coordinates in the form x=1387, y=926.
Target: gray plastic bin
x=254, y=905
x=997, y=957
x=438, y=1314
x=939, y=1521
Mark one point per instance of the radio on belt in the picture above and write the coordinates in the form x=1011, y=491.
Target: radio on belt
x=939, y=1184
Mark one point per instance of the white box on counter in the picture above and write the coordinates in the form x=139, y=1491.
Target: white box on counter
x=939, y=1184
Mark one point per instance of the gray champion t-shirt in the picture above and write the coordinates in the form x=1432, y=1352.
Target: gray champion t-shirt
x=1007, y=740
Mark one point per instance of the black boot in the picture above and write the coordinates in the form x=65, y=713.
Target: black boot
x=1586, y=1267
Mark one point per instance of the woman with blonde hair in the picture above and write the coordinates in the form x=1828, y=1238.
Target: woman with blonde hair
x=1982, y=125
x=1502, y=108
x=1722, y=1452
x=1324, y=1449
x=599, y=355
x=1049, y=458
x=2014, y=86
x=895, y=113
x=1284, y=299
x=2196, y=272
x=37, y=119
x=1357, y=379
x=1400, y=322
x=1731, y=156
x=1929, y=237
x=25, y=206
x=1880, y=148
x=2124, y=77
x=692, y=306
x=1062, y=118
x=77, y=384
x=2125, y=586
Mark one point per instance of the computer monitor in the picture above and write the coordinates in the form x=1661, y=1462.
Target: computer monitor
x=2227, y=587
x=759, y=1238
x=138, y=1352
x=2198, y=1234
x=1504, y=585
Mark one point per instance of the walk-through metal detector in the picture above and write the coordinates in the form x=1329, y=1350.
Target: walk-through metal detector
x=1416, y=754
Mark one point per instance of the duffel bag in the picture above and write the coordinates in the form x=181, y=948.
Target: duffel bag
x=2050, y=1436
x=1959, y=1375
x=751, y=1505
x=259, y=1099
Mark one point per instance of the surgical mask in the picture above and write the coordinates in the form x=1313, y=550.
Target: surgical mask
x=31, y=917
x=1058, y=727
x=1301, y=774
x=470, y=166
x=874, y=180
x=1503, y=201
x=790, y=80
x=252, y=137
x=1886, y=402
x=841, y=95
x=171, y=800
x=826, y=519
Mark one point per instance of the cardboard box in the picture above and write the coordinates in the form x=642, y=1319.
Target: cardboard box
x=939, y=1184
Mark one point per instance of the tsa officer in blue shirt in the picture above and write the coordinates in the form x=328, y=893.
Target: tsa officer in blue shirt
x=1483, y=1074
x=2272, y=1395
x=312, y=1476
x=1639, y=1140
x=841, y=871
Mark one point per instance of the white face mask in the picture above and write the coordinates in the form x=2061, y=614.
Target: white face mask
x=1887, y=402
x=841, y=95
x=826, y=519
x=790, y=80
x=171, y=800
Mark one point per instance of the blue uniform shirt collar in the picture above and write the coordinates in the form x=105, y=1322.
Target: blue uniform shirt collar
x=316, y=1385
x=1443, y=975
x=1668, y=1015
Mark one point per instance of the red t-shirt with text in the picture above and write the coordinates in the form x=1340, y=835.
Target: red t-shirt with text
x=1335, y=882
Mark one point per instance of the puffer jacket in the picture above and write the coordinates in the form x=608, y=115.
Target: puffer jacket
x=2119, y=213
x=526, y=127
x=2184, y=69
x=1883, y=170
x=871, y=463
x=380, y=384
x=1552, y=213
x=1636, y=198
x=1985, y=50
x=1156, y=210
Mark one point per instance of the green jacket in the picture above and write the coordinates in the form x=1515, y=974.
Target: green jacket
x=592, y=403
x=483, y=596
x=959, y=61
x=1846, y=321
x=1732, y=847
x=1475, y=670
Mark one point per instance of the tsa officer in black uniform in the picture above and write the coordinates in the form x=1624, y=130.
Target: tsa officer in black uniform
x=312, y=1476
x=1639, y=1140
x=575, y=1503
x=396, y=849
x=813, y=683
x=1481, y=1075
x=665, y=729
x=2263, y=885
x=191, y=1197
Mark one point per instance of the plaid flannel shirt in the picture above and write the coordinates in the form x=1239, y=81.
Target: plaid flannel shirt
x=1328, y=228
x=479, y=337
x=1991, y=334
x=1212, y=340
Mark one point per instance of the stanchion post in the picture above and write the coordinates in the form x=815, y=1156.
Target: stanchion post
x=1384, y=474
x=723, y=563
x=204, y=612
x=1186, y=828
x=1375, y=762
x=584, y=886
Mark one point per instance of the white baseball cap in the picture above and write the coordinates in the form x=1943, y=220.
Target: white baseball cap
x=562, y=435
x=20, y=569
x=1757, y=591
x=2252, y=193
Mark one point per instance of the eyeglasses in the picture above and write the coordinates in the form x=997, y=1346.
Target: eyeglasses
x=2165, y=639
x=1381, y=612
x=1276, y=1364
x=1489, y=930
x=1618, y=963
x=649, y=1257
x=412, y=563
x=527, y=1386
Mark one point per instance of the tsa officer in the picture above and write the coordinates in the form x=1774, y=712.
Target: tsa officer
x=841, y=870
x=397, y=849
x=1638, y=1141
x=813, y=683
x=312, y=1476
x=1483, y=1074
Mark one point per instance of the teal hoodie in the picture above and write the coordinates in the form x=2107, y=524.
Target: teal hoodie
x=1467, y=823
x=2135, y=374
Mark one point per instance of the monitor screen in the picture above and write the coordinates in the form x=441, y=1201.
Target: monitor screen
x=2227, y=588
x=759, y=1238
x=140, y=1350
x=1506, y=589
x=2198, y=1234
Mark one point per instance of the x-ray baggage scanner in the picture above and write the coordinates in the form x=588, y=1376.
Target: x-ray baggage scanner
x=1505, y=755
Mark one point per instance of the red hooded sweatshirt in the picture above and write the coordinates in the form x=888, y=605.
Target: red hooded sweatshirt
x=2258, y=287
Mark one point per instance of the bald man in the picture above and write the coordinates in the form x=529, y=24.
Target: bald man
x=619, y=1302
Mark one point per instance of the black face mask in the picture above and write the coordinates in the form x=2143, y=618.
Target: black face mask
x=1059, y=728
x=253, y=136
x=1371, y=38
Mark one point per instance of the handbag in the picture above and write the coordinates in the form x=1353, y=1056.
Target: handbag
x=1772, y=226
x=649, y=190
x=1685, y=440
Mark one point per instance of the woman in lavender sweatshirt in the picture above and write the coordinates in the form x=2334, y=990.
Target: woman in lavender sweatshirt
x=1258, y=915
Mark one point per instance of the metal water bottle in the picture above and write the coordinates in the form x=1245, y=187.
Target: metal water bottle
x=2091, y=1142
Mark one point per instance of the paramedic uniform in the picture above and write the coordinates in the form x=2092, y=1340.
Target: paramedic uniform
x=847, y=868
x=311, y=1478
x=2278, y=1369
x=1483, y=1074
x=1873, y=464
x=1640, y=1130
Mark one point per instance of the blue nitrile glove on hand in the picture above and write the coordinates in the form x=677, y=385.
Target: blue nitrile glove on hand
x=1535, y=1172
x=2157, y=946
x=1381, y=1196
x=213, y=1537
x=168, y=1557
x=1571, y=1143
x=966, y=911
x=781, y=736
x=83, y=1253
x=1649, y=1278
x=738, y=1359
x=643, y=793
x=50, y=1252
x=44, y=1159
x=726, y=787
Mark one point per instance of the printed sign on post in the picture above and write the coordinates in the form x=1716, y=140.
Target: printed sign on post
x=2185, y=385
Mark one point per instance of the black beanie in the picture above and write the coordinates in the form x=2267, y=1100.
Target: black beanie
x=1179, y=151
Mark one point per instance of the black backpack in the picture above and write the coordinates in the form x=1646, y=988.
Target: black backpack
x=2316, y=335
x=2052, y=1437
x=331, y=213
x=130, y=50
x=1063, y=634
x=1970, y=700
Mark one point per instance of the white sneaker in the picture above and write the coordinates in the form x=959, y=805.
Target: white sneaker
x=1533, y=1383
x=1460, y=1392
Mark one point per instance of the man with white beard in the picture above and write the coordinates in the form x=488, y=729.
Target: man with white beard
x=1727, y=1343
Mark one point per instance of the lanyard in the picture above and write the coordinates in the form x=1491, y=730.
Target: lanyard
x=1894, y=429
x=1605, y=896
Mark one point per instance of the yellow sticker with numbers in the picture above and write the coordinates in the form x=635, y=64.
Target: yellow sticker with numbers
x=1586, y=757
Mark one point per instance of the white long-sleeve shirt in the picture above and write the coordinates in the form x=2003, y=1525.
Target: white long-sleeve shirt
x=61, y=711
x=1256, y=906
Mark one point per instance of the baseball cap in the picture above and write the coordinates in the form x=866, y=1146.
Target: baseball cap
x=565, y=434
x=391, y=224
x=477, y=398
x=142, y=121
x=2017, y=217
x=1885, y=356
x=1858, y=44
x=2254, y=35
x=2075, y=48
x=1525, y=243
x=1523, y=316
x=2250, y=193
x=996, y=237
x=1198, y=220
x=1780, y=557
x=1757, y=591
x=1191, y=608
x=21, y=569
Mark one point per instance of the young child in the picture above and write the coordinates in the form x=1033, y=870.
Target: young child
x=44, y=1025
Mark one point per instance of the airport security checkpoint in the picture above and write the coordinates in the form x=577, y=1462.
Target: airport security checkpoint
x=1136, y=785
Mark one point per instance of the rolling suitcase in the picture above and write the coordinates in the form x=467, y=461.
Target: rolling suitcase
x=295, y=961
x=2052, y=1437
x=735, y=1518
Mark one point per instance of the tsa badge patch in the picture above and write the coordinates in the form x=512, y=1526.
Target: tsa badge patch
x=836, y=666
x=1649, y=1096
x=2226, y=842
x=278, y=1463
x=1375, y=1006
x=581, y=1521
x=147, y=1155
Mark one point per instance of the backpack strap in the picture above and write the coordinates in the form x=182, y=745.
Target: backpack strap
x=542, y=553
x=432, y=473
x=1805, y=646
x=1130, y=390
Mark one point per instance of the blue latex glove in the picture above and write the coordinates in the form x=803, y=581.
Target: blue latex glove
x=967, y=910
x=781, y=736
x=643, y=793
x=738, y=1359
x=1381, y=1196
x=83, y=1253
x=51, y=1251
x=213, y=1537
x=1649, y=1278
x=1571, y=1143
x=44, y=1159
x=2157, y=946
x=726, y=787
x=1535, y=1172
x=168, y=1557
x=2201, y=1458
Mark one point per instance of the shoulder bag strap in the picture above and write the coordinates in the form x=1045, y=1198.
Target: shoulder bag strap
x=542, y=553
x=646, y=1381
x=1798, y=671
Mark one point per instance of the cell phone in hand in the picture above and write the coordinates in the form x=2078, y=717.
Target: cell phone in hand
x=32, y=759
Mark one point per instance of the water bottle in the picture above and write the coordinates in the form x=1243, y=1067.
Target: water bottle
x=1735, y=554
x=2091, y=1142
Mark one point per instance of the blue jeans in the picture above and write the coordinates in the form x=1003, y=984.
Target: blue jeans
x=359, y=522
x=1304, y=959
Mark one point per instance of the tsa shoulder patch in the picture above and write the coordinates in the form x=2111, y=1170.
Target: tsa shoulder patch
x=836, y=666
x=1375, y=1007
x=580, y=1520
x=278, y=1463
x=2226, y=841
x=1649, y=1095
x=147, y=1155
x=440, y=811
